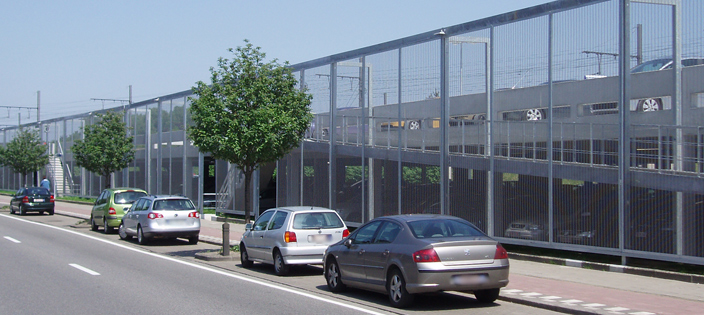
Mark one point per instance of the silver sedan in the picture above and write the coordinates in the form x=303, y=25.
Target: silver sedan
x=153, y=217
x=408, y=254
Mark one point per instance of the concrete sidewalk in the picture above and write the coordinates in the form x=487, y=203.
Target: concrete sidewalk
x=561, y=285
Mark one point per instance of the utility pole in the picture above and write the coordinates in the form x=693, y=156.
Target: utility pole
x=38, y=98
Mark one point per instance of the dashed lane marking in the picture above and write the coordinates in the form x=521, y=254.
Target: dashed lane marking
x=12, y=239
x=84, y=269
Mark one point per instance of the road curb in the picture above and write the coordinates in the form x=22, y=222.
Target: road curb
x=547, y=306
x=653, y=273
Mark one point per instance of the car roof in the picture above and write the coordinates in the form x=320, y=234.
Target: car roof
x=125, y=189
x=417, y=217
x=164, y=197
x=301, y=208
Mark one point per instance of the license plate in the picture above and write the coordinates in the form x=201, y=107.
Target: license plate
x=469, y=279
x=38, y=200
x=319, y=238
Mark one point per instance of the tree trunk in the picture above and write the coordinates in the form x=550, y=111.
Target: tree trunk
x=247, y=192
x=108, y=176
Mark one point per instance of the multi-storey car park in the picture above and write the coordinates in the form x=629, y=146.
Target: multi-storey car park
x=530, y=124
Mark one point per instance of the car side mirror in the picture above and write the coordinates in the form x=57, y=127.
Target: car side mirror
x=348, y=243
x=248, y=227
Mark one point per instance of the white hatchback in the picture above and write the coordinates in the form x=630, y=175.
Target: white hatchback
x=291, y=236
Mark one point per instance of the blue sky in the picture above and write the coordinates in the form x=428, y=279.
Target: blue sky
x=73, y=51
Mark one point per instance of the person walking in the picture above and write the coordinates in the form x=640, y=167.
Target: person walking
x=45, y=183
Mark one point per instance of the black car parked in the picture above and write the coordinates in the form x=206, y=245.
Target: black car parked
x=36, y=199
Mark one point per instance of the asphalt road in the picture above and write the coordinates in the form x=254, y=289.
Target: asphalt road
x=55, y=264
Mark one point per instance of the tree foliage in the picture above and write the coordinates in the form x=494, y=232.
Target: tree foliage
x=252, y=112
x=25, y=153
x=106, y=147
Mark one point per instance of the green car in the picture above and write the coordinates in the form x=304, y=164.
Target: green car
x=108, y=208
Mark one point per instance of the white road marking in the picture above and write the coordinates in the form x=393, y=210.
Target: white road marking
x=84, y=269
x=616, y=309
x=593, y=305
x=550, y=298
x=12, y=239
x=276, y=286
x=571, y=301
x=510, y=291
x=641, y=313
x=532, y=294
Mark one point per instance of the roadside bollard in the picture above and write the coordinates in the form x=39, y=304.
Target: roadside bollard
x=226, y=239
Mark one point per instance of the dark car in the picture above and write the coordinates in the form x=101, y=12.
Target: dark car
x=35, y=199
x=404, y=255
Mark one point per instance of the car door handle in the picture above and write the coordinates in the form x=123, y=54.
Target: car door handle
x=361, y=252
x=386, y=252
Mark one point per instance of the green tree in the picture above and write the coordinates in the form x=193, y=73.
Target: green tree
x=25, y=153
x=251, y=114
x=106, y=147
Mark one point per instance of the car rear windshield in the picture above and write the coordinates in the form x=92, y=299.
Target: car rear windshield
x=127, y=197
x=317, y=220
x=436, y=228
x=37, y=191
x=173, y=204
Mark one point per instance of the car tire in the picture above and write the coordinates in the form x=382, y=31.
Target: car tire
x=93, y=226
x=107, y=229
x=487, y=296
x=280, y=266
x=244, y=257
x=333, y=276
x=12, y=211
x=51, y=212
x=193, y=240
x=396, y=288
x=141, y=239
x=123, y=233
x=534, y=114
x=22, y=210
x=414, y=125
x=651, y=105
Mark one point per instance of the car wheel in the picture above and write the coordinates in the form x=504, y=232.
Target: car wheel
x=650, y=105
x=22, y=210
x=333, y=276
x=93, y=226
x=107, y=229
x=123, y=234
x=244, y=257
x=140, y=236
x=396, y=287
x=193, y=240
x=534, y=114
x=280, y=266
x=413, y=124
x=12, y=211
x=51, y=212
x=487, y=296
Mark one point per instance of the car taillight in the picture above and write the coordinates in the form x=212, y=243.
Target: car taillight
x=112, y=211
x=194, y=214
x=290, y=237
x=51, y=198
x=153, y=215
x=501, y=253
x=345, y=233
x=25, y=199
x=426, y=255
